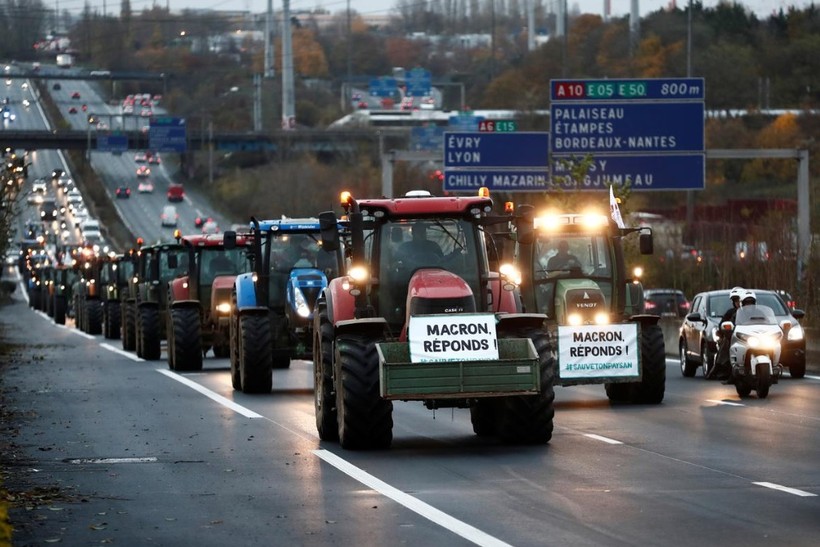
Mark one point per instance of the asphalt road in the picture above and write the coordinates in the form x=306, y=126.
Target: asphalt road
x=107, y=448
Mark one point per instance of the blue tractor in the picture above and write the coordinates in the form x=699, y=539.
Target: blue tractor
x=272, y=306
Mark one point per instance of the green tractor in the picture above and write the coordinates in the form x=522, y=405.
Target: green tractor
x=145, y=306
x=572, y=269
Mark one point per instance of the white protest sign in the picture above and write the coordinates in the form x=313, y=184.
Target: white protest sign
x=593, y=351
x=453, y=337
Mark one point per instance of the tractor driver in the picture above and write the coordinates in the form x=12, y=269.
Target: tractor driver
x=563, y=259
x=420, y=249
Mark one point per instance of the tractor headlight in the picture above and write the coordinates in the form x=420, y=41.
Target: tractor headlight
x=601, y=318
x=223, y=308
x=510, y=275
x=358, y=274
x=300, y=304
x=575, y=319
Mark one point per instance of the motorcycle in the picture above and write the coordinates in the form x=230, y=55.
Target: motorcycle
x=754, y=351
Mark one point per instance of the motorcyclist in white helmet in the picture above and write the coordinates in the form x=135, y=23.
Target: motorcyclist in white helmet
x=748, y=298
x=722, y=368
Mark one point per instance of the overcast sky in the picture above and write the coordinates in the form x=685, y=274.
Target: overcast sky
x=619, y=7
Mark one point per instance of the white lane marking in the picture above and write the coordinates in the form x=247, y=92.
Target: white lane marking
x=600, y=438
x=210, y=394
x=795, y=491
x=131, y=356
x=458, y=527
x=78, y=332
x=726, y=403
x=150, y=459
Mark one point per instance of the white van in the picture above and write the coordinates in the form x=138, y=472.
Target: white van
x=90, y=225
x=169, y=215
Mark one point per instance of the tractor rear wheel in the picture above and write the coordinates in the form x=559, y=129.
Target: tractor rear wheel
x=59, y=309
x=128, y=327
x=93, y=317
x=255, y=359
x=149, y=333
x=365, y=419
x=111, y=320
x=233, y=333
x=650, y=390
x=528, y=419
x=185, y=339
x=324, y=395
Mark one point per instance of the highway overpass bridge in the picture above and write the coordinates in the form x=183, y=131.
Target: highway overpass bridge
x=331, y=142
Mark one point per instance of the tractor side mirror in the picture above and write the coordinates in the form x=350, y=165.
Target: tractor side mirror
x=229, y=240
x=525, y=224
x=329, y=230
x=646, y=244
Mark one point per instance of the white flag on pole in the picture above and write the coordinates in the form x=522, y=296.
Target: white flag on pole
x=614, y=210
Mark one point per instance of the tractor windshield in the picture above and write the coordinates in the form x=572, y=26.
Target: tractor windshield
x=215, y=262
x=290, y=251
x=404, y=246
x=568, y=256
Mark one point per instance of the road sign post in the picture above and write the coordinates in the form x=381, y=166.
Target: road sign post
x=167, y=135
x=517, y=162
x=648, y=133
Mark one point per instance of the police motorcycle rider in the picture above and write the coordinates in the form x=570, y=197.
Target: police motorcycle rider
x=722, y=369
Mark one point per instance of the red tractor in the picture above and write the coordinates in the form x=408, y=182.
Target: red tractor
x=199, y=303
x=420, y=316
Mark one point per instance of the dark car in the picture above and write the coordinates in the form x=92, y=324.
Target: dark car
x=48, y=210
x=697, y=344
x=56, y=86
x=123, y=192
x=666, y=302
x=75, y=95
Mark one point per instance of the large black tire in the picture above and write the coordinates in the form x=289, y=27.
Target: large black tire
x=129, y=335
x=528, y=419
x=79, y=308
x=59, y=309
x=324, y=399
x=281, y=341
x=48, y=303
x=255, y=360
x=111, y=320
x=365, y=420
x=483, y=414
x=688, y=368
x=651, y=388
x=707, y=361
x=93, y=317
x=185, y=339
x=236, y=377
x=150, y=338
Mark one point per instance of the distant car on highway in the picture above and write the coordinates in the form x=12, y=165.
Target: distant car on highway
x=145, y=187
x=72, y=110
x=143, y=171
x=169, y=216
x=140, y=157
x=75, y=95
x=123, y=192
x=210, y=227
x=56, y=86
x=175, y=192
x=666, y=302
